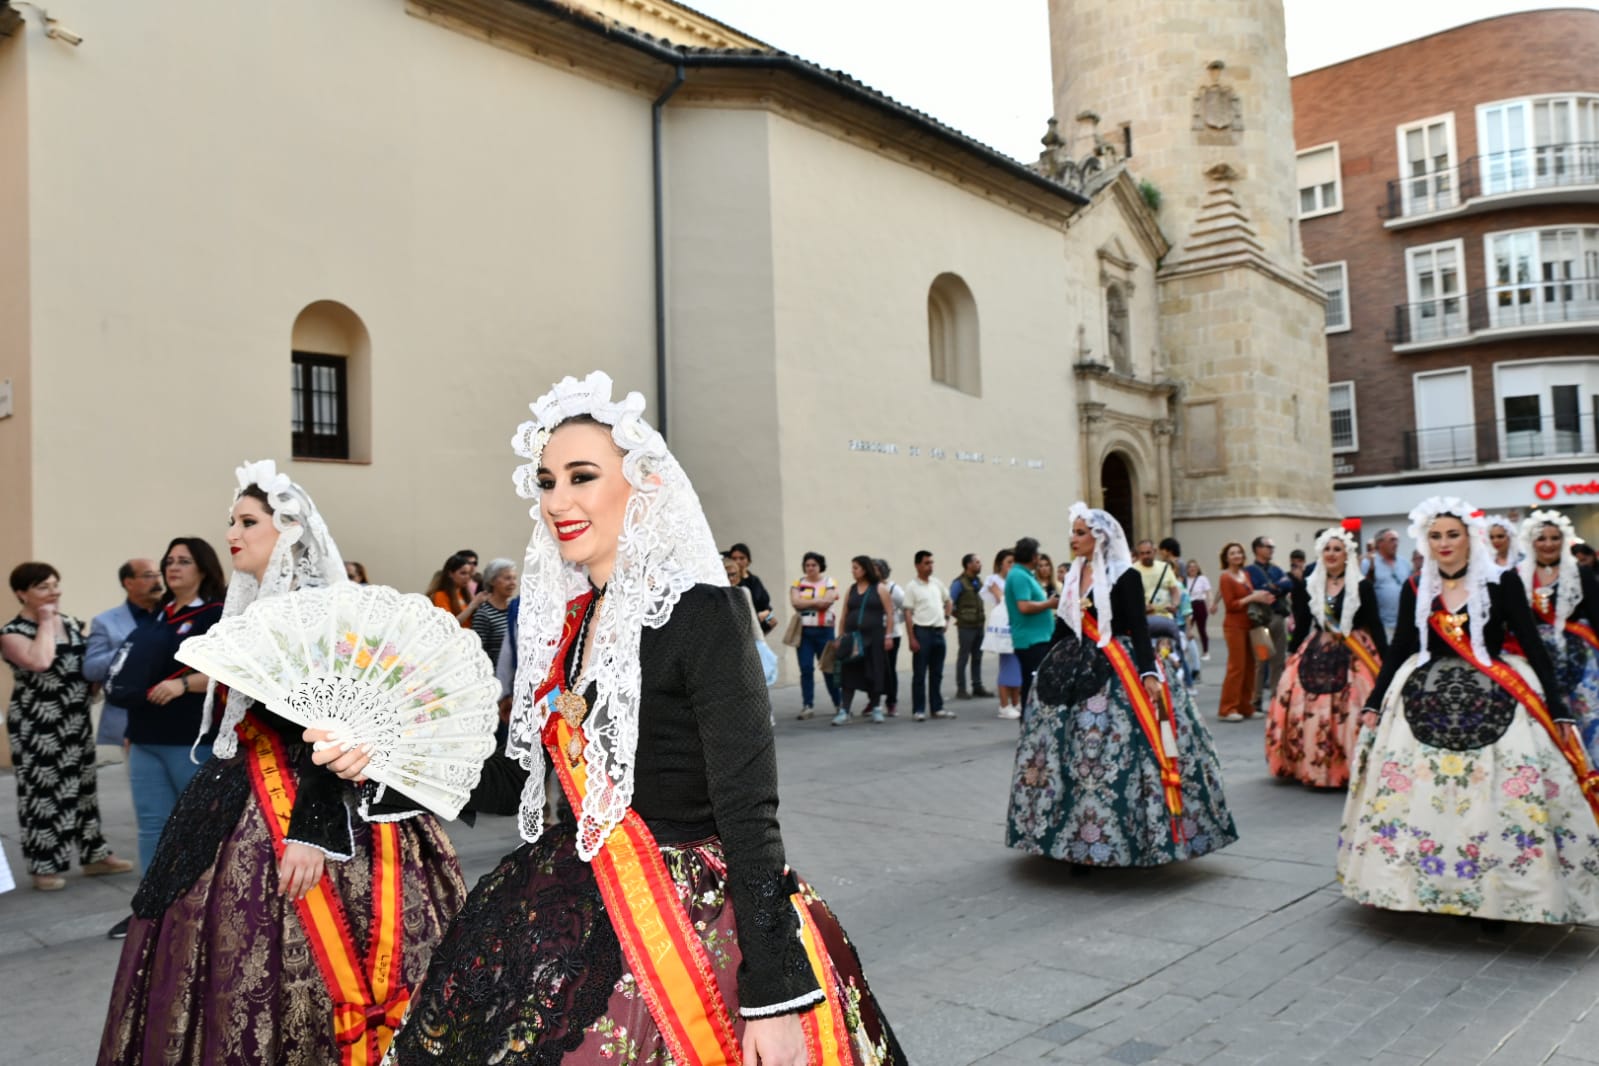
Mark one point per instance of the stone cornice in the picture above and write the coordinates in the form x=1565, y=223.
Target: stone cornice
x=698, y=28
x=1129, y=198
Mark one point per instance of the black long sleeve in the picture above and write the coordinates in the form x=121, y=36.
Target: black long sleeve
x=1407, y=641
x=1127, y=619
x=1510, y=602
x=1588, y=609
x=1367, y=618
x=1299, y=608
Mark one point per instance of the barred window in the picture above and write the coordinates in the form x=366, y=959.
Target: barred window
x=320, y=406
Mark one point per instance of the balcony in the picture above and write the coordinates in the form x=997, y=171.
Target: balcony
x=1500, y=312
x=1512, y=440
x=1551, y=173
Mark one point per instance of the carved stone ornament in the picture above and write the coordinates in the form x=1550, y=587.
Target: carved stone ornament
x=1218, y=108
x=1079, y=175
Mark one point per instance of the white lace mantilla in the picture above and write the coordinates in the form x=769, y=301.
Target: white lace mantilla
x=1568, y=585
x=1111, y=559
x=303, y=557
x=1316, y=582
x=665, y=548
x=1481, y=570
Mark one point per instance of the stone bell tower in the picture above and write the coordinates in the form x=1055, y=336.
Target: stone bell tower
x=1195, y=93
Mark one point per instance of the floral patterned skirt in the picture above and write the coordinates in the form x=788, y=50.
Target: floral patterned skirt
x=532, y=973
x=1577, y=667
x=1499, y=831
x=1311, y=731
x=225, y=976
x=1087, y=788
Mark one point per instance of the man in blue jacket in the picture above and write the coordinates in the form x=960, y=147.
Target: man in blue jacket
x=1263, y=575
x=141, y=581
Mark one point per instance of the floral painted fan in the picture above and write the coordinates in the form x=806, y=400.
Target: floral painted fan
x=377, y=667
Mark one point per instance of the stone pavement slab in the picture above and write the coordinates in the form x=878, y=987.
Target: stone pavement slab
x=980, y=954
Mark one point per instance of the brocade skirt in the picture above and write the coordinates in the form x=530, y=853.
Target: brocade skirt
x=531, y=971
x=224, y=975
x=1087, y=787
x=1483, y=816
x=1315, y=713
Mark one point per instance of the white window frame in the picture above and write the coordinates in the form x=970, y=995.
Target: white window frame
x=1338, y=179
x=1527, y=183
x=1415, y=415
x=1412, y=297
x=1354, y=418
x=1581, y=287
x=1405, y=180
x=1343, y=270
x=1587, y=429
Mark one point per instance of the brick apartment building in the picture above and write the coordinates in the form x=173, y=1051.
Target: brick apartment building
x=1449, y=200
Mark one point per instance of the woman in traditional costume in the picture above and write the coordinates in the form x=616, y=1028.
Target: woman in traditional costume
x=1334, y=659
x=274, y=924
x=1469, y=793
x=664, y=925
x=1565, y=600
x=1114, y=767
x=1502, y=539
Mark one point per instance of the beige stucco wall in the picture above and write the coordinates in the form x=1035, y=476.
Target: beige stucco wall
x=198, y=178
x=16, y=444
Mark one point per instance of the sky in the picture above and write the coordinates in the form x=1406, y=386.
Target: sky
x=990, y=77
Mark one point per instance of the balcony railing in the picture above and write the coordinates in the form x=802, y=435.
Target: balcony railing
x=1524, y=305
x=1505, y=441
x=1549, y=166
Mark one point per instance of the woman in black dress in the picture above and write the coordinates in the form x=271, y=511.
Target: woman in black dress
x=865, y=637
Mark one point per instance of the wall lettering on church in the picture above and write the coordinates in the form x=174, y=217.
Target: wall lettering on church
x=918, y=451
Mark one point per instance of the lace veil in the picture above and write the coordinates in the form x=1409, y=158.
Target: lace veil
x=665, y=548
x=1511, y=531
x=303, y=557
x=1111, y=556
x=1481, y=570
x=1316, y=581
x=1568, y=586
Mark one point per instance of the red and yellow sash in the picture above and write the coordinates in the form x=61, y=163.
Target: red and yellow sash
x=1512, y=682
x=1148, y=716
x=662, y=948
x=370, y=996
x=1361, y=652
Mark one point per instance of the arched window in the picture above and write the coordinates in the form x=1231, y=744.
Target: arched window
x=952, y=335
x=1117, y=345
x=330, y=384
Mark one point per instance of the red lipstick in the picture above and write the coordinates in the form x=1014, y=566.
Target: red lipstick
x=571, y=530
x=234, y=549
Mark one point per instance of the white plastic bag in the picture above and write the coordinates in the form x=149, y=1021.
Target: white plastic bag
x=996, y=634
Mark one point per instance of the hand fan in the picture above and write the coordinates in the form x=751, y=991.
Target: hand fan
x=380, y=668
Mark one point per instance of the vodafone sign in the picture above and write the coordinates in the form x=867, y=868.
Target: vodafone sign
x=1547, y=489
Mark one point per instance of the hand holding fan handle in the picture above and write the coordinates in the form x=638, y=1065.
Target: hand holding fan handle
x=331, y=749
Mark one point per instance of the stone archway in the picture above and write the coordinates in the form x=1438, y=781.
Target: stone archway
x=1119, y=492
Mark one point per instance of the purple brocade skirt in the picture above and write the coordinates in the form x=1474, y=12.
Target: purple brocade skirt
x=531, y=971
x=224, y=975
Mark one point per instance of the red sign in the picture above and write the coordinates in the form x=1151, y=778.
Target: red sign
x=1548, y=489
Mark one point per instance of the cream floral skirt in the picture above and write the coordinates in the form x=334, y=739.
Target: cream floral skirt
x=1500, y=831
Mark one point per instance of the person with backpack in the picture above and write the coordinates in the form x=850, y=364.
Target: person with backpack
x=971, y=615
x=1270, y=579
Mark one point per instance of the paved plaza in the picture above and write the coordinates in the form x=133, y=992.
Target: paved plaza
x=983, y=955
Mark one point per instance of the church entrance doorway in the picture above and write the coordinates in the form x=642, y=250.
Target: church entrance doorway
x=1116, y=485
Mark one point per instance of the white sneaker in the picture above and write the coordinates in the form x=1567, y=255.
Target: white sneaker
x=1010, y=714
x=1205, y=658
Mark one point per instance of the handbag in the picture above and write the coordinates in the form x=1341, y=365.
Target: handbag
x=829, y=657
x=795, y=631
x=852, y=645
x=768, y=661
x=996, y=633
x=1261, y=644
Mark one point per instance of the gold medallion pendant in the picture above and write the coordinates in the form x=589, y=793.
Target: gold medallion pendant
x=1454, y=624
x=574, y=708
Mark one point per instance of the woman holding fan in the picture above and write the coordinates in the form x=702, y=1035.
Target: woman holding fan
x=1334, y=659
x=1469, y=792
x=665, y=922
x=249, y=942
x=1114, y=767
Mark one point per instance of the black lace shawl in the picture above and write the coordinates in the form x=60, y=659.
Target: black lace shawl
x=210, y=807
x=1509, y=614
